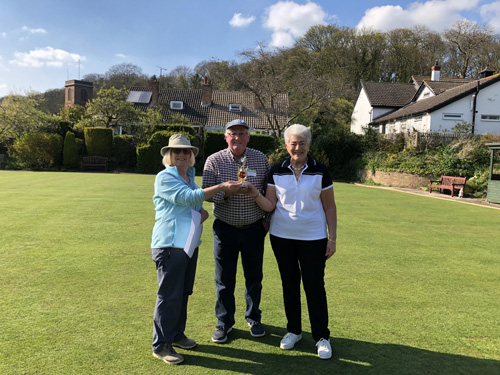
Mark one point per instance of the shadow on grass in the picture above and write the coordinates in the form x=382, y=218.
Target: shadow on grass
x=350, y=357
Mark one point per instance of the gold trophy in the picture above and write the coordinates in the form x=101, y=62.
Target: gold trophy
x=242, y=172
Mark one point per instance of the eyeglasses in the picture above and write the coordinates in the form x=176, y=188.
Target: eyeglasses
x=239, y=135
x=185, y=151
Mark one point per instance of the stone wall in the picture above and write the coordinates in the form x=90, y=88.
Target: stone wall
x=395, y=179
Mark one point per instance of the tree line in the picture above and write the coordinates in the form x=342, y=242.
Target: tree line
x=321, y=73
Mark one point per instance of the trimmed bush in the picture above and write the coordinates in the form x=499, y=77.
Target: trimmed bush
x=36, y=151
x=214, y=141
x=70, y=153
x=262, y=142
x=80, y=145
x=148, y=156
x=99, y=141
x=124, y=151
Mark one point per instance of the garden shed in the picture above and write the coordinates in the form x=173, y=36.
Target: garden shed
x=494, y=179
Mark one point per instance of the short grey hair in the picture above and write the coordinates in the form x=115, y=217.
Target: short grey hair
x=167, y=159
x=298, y=131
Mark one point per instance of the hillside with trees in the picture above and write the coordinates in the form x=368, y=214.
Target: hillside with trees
x=321, y=73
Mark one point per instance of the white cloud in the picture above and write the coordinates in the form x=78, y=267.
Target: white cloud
x=435, y=14
x=491, y=14
x=34, y=31
x=289, y=20
x=47, y=56
x=121, y=55
x=239, y=21
x=4, y=35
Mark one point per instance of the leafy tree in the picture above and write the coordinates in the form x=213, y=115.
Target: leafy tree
x=411, y=52
x=110, y=107
x=51, y=101
x=72, y=114
x=36, y=150
x=20, y=115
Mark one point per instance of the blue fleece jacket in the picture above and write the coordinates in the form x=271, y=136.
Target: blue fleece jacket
x=174, y=198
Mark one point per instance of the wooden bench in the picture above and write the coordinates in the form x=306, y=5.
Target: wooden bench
x=94, y=161
x=448, y=182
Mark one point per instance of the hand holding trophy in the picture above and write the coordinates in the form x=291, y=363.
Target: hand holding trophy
x=242, y=172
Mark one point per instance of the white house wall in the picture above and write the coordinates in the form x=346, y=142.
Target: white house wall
x=361, y=115
x=426, y=93
x=462, y=107
x=488, y=103
x=420, y=124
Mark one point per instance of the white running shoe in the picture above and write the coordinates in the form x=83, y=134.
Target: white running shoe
x=289, y=340
x=324, y=349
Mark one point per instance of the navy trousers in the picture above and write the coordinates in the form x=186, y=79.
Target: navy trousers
x=229, y=242
x=176, y=272
x=303, y=260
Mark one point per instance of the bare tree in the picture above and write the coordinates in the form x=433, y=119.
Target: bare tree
x=271, y=74
x=466, y=41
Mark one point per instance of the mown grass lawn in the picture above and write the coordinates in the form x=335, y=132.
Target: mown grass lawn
x=413, y=289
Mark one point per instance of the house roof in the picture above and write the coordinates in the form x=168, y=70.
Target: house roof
x=436, y=102
x=418, y=80
x=217, y=114
x=386, y=94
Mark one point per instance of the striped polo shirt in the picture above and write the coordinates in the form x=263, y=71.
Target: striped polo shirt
x=299, y=212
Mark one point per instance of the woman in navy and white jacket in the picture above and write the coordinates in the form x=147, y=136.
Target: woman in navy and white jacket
x=303, y=234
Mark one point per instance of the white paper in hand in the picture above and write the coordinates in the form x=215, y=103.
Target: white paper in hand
x=194, y=233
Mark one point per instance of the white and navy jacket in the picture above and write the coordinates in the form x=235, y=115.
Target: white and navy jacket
x=299, y=212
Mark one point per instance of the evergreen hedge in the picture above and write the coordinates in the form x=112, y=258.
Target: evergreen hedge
x=99, y=141
x=70, y=153
x=124, y=152
x=215, y=141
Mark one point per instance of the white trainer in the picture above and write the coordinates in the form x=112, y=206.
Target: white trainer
x=324, y=349
x=289, y=340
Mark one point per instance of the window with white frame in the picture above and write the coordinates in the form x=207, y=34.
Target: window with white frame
x=176, y=104
x=453, y=116
x=234, y=107
x=418, y=118
x=490, y=117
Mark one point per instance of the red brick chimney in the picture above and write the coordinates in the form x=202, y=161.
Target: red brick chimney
x=206, y=93
x=436, y=72
x=155, y=89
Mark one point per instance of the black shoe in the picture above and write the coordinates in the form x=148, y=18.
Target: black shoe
x=220, y=334
x=256, y=329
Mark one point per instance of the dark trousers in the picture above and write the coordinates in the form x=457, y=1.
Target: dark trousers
x=175, y=271
x=303, y=260
x=228, y=243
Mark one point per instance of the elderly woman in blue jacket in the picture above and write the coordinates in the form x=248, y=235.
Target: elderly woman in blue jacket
x=176, y=194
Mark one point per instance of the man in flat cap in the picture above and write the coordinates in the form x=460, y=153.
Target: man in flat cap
x=238, y=228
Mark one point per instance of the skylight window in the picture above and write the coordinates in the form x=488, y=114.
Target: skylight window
x=140, y=97
x=177, y=105
x=234, y=107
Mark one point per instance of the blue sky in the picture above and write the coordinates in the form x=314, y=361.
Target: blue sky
x=43, y=43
